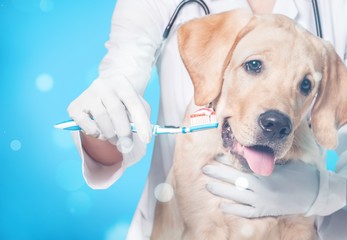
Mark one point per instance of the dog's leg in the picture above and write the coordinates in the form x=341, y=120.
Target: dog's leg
x=168, y=223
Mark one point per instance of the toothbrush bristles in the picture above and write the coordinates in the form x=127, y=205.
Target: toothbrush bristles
x=203, y=116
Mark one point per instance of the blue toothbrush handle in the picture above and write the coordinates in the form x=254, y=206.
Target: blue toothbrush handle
x=70, y=125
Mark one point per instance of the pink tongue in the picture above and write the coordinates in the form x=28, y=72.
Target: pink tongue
x=261, y=163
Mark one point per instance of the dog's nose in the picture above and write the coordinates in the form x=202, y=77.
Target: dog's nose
x=275, y=125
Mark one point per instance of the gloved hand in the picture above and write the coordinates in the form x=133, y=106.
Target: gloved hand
x=293, y=188
x=103, y=111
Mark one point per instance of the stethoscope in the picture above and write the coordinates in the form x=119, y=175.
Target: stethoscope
x=207, y=11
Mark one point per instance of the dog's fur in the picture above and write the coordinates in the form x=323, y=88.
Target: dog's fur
x=214, y=50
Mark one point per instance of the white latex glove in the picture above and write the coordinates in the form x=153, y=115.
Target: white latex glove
x=293, y=188
x=103, y=111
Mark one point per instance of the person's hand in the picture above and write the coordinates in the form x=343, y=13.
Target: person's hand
x=292, y=188
x=103, y=111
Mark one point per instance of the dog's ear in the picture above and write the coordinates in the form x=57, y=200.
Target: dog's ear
x=205, y=45
x=329, y=112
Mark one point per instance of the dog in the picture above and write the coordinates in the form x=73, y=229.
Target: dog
x=263, y=74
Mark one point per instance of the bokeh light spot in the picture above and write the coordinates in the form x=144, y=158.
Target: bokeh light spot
x=163, y=192
x=242, y=183
x=247, y=231
x=16, y=145
x=79, y=203
x=68, y=175
x=46, y=5
x=117, y=231
x=317, y=76
x=44, y=82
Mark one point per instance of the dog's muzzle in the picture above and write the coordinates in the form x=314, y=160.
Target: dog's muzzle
x=258, y=158
x=275, y=125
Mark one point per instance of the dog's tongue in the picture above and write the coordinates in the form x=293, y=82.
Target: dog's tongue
x=260, y=162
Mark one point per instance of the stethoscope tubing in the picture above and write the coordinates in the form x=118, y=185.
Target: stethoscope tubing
x=178, y=10
x=207, y=11
x=317, y=18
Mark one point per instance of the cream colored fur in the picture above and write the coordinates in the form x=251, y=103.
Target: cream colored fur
x=213, y=50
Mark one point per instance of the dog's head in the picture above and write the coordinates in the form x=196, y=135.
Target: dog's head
x=264, y=73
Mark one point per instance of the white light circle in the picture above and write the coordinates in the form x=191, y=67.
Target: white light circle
x=46, y=5
x=44, y=82
x=242, y=183
x=79, y=203
x=16, y=145
x=247, y=230
x=117, y=231
x=317, y=76
x=163, y=192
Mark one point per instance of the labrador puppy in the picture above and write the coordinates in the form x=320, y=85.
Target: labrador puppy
x=262, y=74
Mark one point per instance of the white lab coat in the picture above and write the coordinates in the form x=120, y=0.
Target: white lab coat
x=137, y=28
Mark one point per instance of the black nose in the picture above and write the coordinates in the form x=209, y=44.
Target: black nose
x=275, y=125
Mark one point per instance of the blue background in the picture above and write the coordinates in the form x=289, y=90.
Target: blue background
x=49, y=53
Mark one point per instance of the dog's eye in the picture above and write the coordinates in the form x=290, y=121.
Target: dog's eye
x=305, y=86
x=253, y=66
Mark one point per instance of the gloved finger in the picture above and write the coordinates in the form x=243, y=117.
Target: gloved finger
x=229, y=174
x=105, y=125
x=81, y=117
x=120, y=122
x=231, y=192
x=241, y=210
x=137, y=111
x=125, y=144
x=115, y=110
x=87, y=125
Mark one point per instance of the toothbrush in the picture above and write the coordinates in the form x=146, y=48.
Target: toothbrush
x=203, y=119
